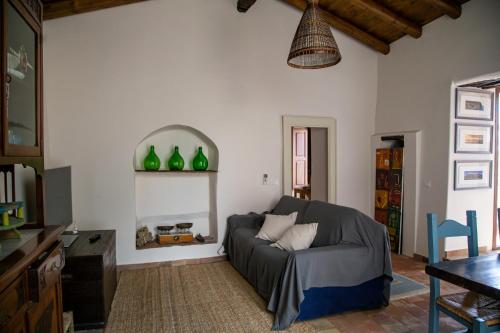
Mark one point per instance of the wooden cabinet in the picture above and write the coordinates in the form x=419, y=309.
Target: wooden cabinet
x=30, y=277
x=30, y=285
x=45, y=272
x=45, y=316
x=44, y=276
x=18, y=326
x=21, y=116
x=13, y=303
x=21, y=98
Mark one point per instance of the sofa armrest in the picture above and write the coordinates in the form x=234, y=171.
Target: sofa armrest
x=251, y=220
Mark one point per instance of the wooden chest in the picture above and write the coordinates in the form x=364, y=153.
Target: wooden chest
x=89, y=279
x=175, y=238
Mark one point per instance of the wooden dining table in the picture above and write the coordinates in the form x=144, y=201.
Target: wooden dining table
x=479, y=274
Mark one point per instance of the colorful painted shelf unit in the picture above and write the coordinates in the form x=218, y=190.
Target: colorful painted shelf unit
x=389, y=193
x=12, y=218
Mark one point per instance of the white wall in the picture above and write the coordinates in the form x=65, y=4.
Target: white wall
x=414, y=94
x=481, y=200
x=113, y=76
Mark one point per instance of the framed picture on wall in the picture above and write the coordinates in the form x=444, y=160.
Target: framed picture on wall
x=472, y=174
x=473, y=139
x=475, y=104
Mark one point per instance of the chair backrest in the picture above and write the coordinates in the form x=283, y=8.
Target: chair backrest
x=451, y=228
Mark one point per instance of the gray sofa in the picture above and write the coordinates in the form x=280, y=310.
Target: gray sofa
x=347, y=267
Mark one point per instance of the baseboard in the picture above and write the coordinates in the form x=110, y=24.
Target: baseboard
x=455, y=254
x=420, y=258
x=171, y=263
x=462, y=253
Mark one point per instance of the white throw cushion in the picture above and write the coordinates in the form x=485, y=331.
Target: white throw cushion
x=275, y=226
x=297, y=237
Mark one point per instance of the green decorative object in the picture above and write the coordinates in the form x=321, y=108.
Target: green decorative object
x=176, y=162
x=152, y=161
x=200, y=161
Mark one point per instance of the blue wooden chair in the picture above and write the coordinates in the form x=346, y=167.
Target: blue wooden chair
x=479, y=313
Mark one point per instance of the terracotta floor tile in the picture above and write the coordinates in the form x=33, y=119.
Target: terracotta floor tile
x=371, y=326
x=409, y=315
x=331, y=330
x=321, y=324
x=396, y=328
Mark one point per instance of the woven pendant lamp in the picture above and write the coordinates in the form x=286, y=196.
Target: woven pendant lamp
x=313, y=45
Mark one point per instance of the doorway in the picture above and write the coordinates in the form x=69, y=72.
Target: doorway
x=411, y=216
x=310, y=163
x=309, y=158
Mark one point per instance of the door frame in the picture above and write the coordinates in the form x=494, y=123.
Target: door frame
x=288, y=122
x=496, y=246
x=412, y=223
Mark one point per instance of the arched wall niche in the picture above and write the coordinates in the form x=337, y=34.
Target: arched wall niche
x=167, y=197
x=187, y=138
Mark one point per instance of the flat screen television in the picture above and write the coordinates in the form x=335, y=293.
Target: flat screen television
x=58, y=202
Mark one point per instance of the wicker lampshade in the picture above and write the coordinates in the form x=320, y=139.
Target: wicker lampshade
x=313, y=45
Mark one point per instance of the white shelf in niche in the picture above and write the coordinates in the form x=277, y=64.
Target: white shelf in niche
x=176, y=171
x=167, y=197
x=188, y=140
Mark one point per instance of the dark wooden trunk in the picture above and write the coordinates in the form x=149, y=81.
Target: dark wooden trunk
x=89, y=279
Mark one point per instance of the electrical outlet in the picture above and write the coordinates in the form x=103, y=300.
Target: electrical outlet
x=265, y=179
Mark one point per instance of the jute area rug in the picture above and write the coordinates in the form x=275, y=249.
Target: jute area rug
x=195, y=298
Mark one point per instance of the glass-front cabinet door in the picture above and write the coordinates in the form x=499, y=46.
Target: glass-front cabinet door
x=21, y=107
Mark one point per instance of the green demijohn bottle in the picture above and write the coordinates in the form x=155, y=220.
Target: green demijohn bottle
x=200, y=161
x=176, y=162
x=152, y=161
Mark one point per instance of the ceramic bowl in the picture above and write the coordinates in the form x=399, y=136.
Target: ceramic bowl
x=184, y=225
x=165, y=227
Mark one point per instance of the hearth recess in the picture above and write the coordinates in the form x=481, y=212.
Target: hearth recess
x=169, y=201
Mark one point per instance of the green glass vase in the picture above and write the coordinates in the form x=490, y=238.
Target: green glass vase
x=176, y=162
x=152, y=161
x=200, y=161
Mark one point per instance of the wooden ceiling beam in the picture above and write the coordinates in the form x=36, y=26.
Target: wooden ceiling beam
x=346, y=27
x=401, y=23
x=244, y=5
x=59, y=8
x=449, y=7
